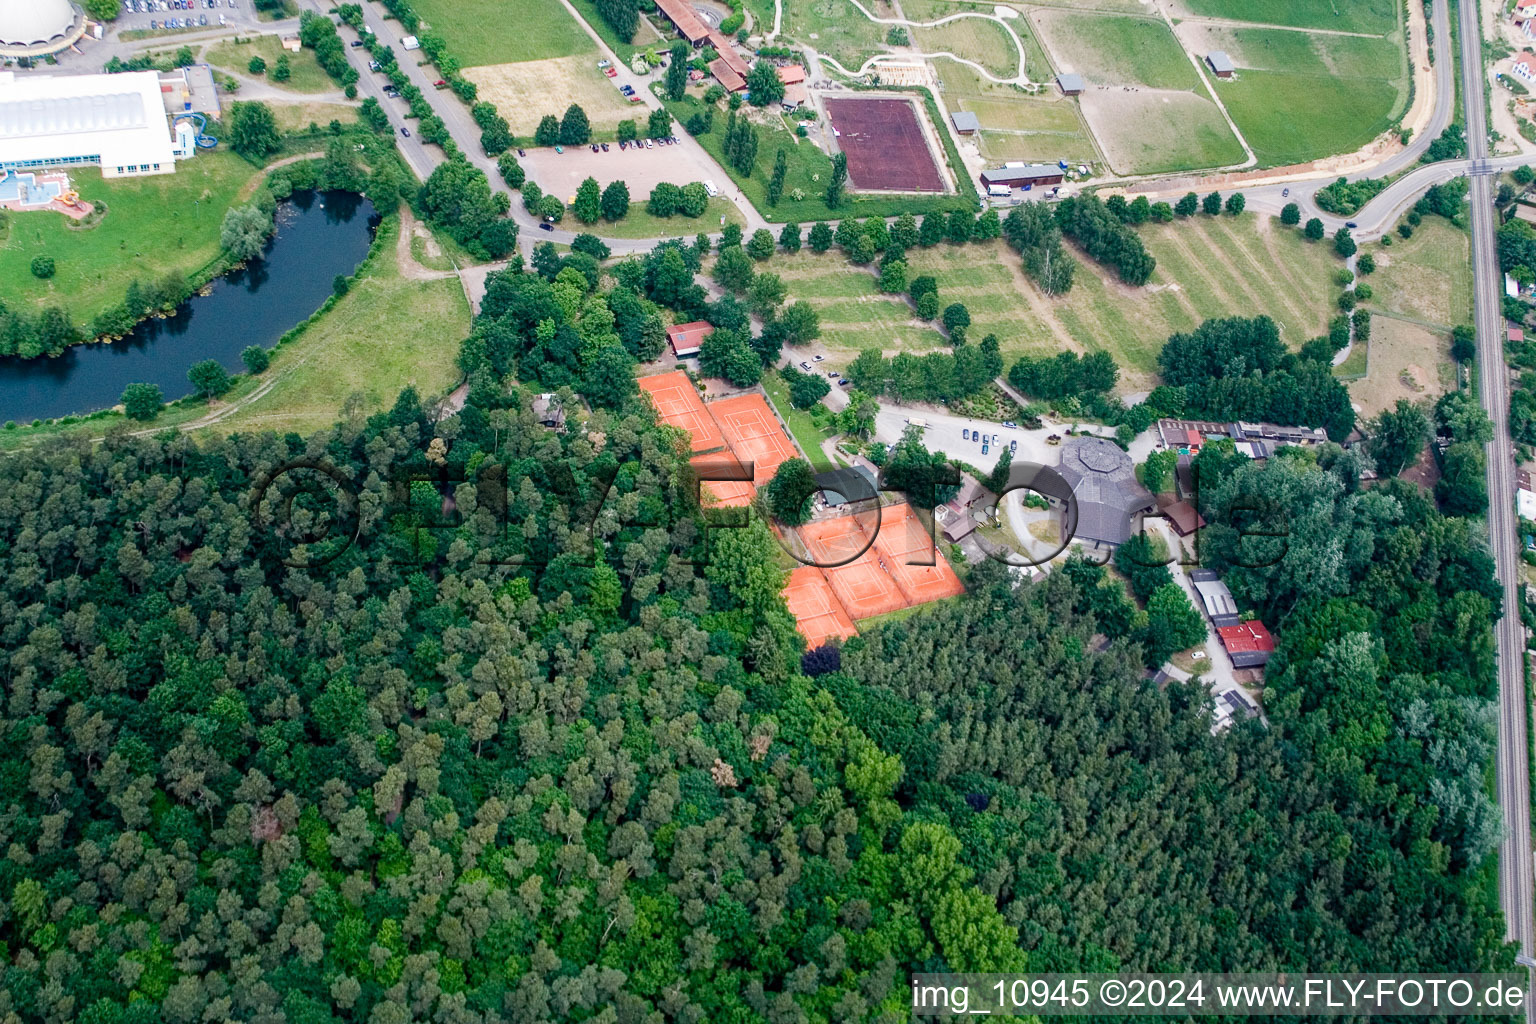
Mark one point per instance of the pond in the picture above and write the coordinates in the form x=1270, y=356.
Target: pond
x=319, y=235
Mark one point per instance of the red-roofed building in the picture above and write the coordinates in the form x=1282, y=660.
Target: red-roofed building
x=1515, y=333
x=1524, y=9
x=1524, y=67
x=683, y=18
x=686, y=338
x=726, y=75
x=789, y=74
x=727, y=51
x=1249, y=644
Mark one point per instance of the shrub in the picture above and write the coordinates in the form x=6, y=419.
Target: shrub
x=43, y=267
x=255, y=358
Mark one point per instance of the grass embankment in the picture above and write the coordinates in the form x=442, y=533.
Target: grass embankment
x=152, y=225
x=808, y=435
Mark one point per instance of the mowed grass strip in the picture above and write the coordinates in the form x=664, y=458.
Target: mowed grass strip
x=305, y=73
x=346, y=357
x=506, y=31
x=1207, y=267
x=978, y=39
x=153, y=225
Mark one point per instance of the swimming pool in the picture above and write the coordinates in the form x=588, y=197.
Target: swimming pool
x=25, y=190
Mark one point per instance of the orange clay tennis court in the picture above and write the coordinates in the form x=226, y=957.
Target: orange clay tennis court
x=677, y=403
x=722, y=493
x=754, y=434
x=903, y=539
x=862, y=585
x=818, y=615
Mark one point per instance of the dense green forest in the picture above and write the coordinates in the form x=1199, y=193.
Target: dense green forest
x=478, y=722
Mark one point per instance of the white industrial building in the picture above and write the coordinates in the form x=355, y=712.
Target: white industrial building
x=117, y=122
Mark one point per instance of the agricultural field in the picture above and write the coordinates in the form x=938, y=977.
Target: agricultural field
x=1299, y=96
x=1370, y=16
x=508, y=31
x=152, y=225
x=837, y=29
x=1145, y=103
x=1405, y=361
x=305, y=73
x=1427, y=278
x=525, y=91
x=1207, y=267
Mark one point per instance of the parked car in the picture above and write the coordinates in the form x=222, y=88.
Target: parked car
x=612, y=72
x=1351, y=224
x=1013, y=445
x=833, y=373
x=604, y=63
x=985, y=448
x=594, y=147
x=405, y=131
x=965, y=433
x=843, y=383
x=649, y=144
x=805, y=365
x=545, y=225
x=1009, y=423
x=521, y=152
x=818, y=358
x=605, y=147
x=1284, y=192
x=441, y=83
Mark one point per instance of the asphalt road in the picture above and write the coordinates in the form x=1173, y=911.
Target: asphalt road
x=1515, y=879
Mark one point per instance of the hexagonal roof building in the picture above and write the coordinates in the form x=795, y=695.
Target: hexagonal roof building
x=1103, y=481
x=39, y=27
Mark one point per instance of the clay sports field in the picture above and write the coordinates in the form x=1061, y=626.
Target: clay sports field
x=678, y=404
x=886, y=146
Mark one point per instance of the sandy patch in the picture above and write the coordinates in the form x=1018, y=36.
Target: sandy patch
x=525, y=91
x=1405, y=362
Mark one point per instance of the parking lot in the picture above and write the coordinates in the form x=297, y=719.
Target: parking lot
x=188, y=14
x=641, y=169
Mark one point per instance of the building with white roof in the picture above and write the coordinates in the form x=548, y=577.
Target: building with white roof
x=117, y=122
x=36, y=28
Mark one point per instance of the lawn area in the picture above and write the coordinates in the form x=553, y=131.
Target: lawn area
x=1426, y=278
x=807, y=434
x=152, y=225
x=345, y=358
x=1145, y=103
x=836, y=28
x=977, y=39
x=1111, y=49
x=293, y=118
x=639, y=224
x=1017, y=126
x=645, y=37
x=809, y=171
x=507, y=31
x=1207, y=267
x=1375, y=16
x=1299, y=96
x=235, y=55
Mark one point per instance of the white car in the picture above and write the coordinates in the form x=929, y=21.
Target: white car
x=805, y=366
x=709, y=187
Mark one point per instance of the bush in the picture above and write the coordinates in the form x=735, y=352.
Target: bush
x=43, y=267
x=142, y=401
x=256, y=359
x=257, y=66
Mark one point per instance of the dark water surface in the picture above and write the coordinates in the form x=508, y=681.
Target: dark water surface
x=319, y=235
